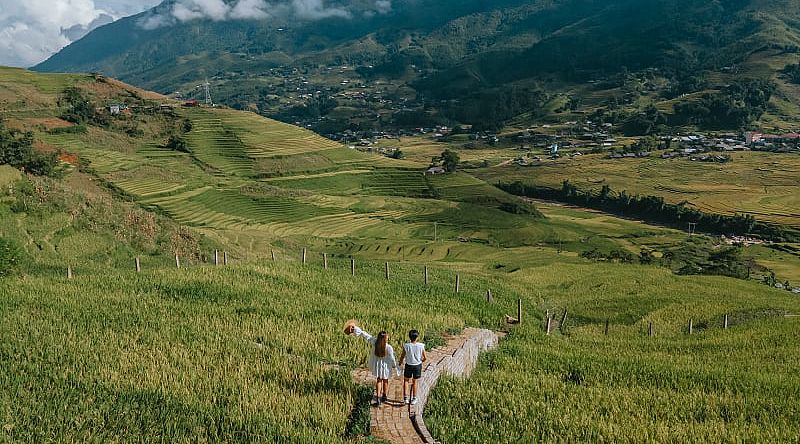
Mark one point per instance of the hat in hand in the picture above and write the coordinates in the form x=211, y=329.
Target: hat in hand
x=349, y=326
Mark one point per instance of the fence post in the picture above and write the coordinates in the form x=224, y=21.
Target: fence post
x=725, y=322
x=489, y=296
x=563, y=320
x=304, y=256
x=549, y=320
x=426, y=275
x=69, y=272
x=606, y=331
x=353, y=266
x=177, y=261
x=458, y=283
x=387, y=271
x=138, y=265
x=324, y=261
x=224, y=258
x=519, y=311
x=216, y=257
x=272, y=253
x=690, y=326
x=650, y=329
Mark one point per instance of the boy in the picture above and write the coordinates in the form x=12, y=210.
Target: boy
x=413, y=355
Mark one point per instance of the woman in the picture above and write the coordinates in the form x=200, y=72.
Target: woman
x=381, y=359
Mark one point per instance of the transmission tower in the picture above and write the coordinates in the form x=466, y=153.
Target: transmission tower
x=207, y=88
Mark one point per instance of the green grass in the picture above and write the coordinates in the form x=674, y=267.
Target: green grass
x=245, y=353
x=580, y=385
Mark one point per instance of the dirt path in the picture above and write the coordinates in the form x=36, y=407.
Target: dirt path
x=398, y=423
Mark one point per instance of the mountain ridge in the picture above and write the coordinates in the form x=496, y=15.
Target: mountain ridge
x=445, y=55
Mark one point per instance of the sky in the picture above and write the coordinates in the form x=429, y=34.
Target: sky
x=33, y=30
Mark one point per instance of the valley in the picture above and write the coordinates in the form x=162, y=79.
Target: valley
x=179, y=271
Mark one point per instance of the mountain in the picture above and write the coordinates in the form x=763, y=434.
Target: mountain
x=470, y=61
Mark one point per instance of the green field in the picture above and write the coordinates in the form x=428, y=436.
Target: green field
x=758, y=183
x=579, y=385
x=253, y=351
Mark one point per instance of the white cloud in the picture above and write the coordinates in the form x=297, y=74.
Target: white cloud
x=32, y=30
x=249, y=9
x=217, y=10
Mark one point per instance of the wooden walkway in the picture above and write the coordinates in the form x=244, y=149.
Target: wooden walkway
x=398, y=423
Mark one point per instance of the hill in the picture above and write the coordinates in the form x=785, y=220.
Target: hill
x=473, y=62
x=253, y=351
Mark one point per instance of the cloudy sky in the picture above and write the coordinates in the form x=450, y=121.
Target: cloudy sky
x=32, y=30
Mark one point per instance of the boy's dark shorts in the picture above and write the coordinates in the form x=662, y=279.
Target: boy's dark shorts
x=412, y=371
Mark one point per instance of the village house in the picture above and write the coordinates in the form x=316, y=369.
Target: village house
x=435, y=170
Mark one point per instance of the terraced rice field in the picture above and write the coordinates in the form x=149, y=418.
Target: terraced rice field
x=462, y=186
x=758, y=183
x=220, y=148
x=269, y=138
x=379, y=182
x=408, y=183
x=208, y=207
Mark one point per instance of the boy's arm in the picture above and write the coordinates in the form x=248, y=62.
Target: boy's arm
x=424, y=355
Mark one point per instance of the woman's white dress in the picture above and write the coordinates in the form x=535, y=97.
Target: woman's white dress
x=380, y=367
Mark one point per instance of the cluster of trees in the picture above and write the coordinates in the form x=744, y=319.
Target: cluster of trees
x=16, y=149
x=649, y=121
x=652, y=209
x=488, y=110
x=80, y=110
x=735, y=106
x=792, y=72
x=695, y=256
x=449, y=160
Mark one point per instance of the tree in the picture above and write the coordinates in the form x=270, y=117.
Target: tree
x=16, y=149
x=450, y=160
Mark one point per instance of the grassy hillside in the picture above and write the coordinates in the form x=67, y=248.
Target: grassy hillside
x=582, y=385
x=248, y=182
x=253, y=351
x=246, y=353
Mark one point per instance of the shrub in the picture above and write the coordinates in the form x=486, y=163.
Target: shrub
x=11, y=257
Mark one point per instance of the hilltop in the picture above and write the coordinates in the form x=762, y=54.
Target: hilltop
x=483, y=63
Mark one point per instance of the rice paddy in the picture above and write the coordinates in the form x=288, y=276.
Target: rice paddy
x=758, y=183
x=253, y=351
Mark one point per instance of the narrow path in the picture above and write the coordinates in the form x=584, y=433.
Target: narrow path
x=398, y=423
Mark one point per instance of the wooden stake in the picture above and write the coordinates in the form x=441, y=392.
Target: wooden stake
x=519, y=310
x=304, y=256
x=725, y=322
x=549, y=320
x=563, y=320
x=606, y=327
x=353, y=267
x=69, y=272
x=325, y=261
x=458, y=283
x=216, y=257
x=426, y=275
x=650, y=329
x=489, y=296
x=387, y=271
x=272, y=252
x=138, y=265
x=177, y=261
x=224, y=258
x=690, y=326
